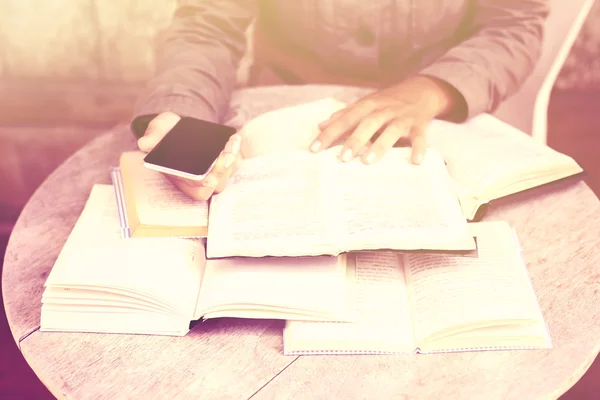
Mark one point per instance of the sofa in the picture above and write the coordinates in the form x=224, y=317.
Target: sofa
x=68, y=72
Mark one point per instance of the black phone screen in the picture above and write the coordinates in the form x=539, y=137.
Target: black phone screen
x=191, y=146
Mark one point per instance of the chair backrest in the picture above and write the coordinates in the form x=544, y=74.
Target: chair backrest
x=527, y=110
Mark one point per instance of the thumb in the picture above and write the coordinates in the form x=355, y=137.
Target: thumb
x=157, y=129
x=228, y=173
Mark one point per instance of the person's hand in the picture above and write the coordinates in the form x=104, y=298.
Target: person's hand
x=215, y=180
x=376, y=122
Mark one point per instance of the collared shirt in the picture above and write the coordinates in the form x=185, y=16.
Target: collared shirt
x=483, y=48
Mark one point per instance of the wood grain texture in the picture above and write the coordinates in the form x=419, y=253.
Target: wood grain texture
x=558, y=227
x=225, y=359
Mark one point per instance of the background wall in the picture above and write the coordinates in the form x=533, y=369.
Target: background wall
x=89, y=58
x=582, y=68
x=82, y=61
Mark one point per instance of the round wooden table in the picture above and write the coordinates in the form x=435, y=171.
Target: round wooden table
x=558, y=226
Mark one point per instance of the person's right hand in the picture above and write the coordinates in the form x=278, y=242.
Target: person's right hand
x=215, y=180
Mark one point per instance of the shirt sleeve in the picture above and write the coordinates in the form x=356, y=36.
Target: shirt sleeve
x=197, y=61
x=498, y=55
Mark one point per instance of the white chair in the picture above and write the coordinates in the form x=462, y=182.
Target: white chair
x=527, y=110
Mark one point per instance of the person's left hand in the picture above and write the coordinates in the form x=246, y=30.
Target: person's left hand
x=376, y=122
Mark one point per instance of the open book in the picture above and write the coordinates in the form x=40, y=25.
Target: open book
x=103, y=283
x=300, y=204
x=428, y=303
x=151, y=206
x=490, y=159
x=486, y=158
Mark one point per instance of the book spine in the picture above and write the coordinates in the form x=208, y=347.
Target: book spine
x=115, y=174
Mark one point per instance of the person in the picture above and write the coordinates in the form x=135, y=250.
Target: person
x=448, y=59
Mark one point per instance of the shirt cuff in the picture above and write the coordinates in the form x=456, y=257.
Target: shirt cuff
x=181, y=105
x=469, y=84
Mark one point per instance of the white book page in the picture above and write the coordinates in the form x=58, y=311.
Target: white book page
x=167, y=270
x=94, y=296
x=157, y=201
x=313, y=286
x=286, y=129
x=273, y=206
x=125, y=321
x=487, y=152
x=107, y=303
x=467, y=292
x=383, y=323
x=397, y=205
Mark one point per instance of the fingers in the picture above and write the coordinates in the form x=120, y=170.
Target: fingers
x=225, y=178
x=390, y=135
x=332, y=118
x=216, y=179
x=393, y=132
x=365, y=130
x=232, y=149
x=365, y=121
x=156, y=130
x=340, y=123
x=220, y=173
x=194, y=189
x=232, y=158
x=419, y=143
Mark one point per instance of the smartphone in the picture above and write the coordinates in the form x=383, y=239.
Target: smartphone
x=190, y=149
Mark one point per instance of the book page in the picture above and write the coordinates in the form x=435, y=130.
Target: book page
x=488, y=156
x=157, y=201
x=289, y=287
x=453, y=292
x=273, y=206
x=167, y=270
x=63, y=297
x=394, y=204
x=383, y=323
x=110, y=320
x=286, y=129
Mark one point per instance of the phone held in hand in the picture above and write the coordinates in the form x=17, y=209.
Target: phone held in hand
x=190, y=149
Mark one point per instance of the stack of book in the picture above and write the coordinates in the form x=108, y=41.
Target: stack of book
x=387, y=258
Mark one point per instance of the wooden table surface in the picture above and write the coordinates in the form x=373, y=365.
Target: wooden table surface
x=558, y=227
